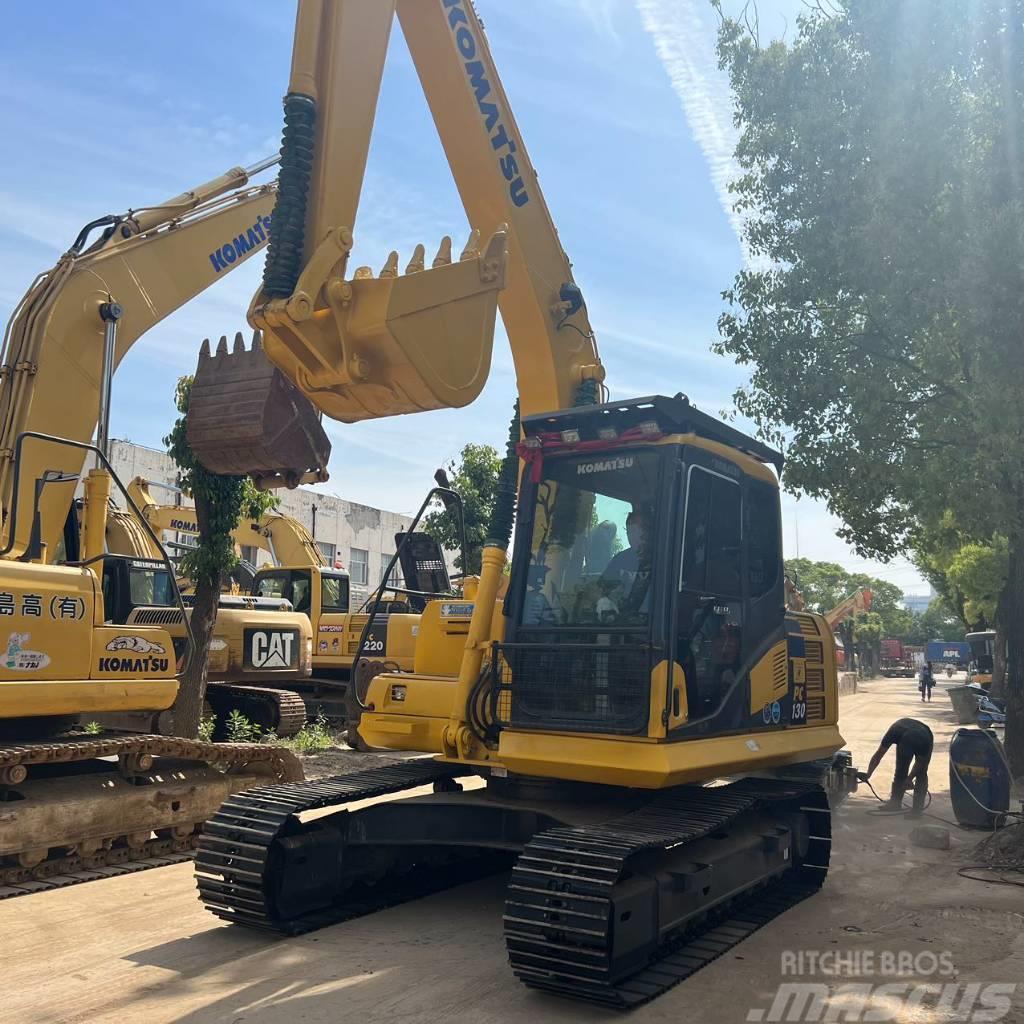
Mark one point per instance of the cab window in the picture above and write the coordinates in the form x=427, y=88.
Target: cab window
x=761, y=525
x=292, y=586
x=712, y=548
x=333, y=593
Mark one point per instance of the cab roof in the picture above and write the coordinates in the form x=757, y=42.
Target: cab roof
x=672, y=416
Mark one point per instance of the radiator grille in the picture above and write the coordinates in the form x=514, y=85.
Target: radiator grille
x=157, y=617
x=583, y=682
x=780, y=670
x=807, y=625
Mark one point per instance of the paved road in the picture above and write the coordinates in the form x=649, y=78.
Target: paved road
x=139, y=949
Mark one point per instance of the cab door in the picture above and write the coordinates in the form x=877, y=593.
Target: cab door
x=730, y=604
x=710, y=607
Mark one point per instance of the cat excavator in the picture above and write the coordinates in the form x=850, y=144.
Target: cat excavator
x=85, y=805
x=636, y=726
x=298, y=574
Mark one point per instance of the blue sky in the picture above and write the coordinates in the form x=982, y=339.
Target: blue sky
x=620, y=104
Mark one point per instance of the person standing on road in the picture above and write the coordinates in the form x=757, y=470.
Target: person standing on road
x=914, y=741
x=927, y=681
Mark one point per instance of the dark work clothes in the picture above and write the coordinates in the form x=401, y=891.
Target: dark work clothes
x=913, y=742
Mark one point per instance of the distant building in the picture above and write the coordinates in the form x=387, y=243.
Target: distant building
x=351, y=536
x=918, y=603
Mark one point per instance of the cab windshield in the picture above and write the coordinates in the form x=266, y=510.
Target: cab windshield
x=333, y=592
x=981, y=652
x=593, y=538
x=291, y=584
x=151, y=586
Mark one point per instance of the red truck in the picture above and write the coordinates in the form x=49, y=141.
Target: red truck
x=897, y=659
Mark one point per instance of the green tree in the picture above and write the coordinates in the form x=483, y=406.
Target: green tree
x=937, y=622
x=475, y=477
x=881, y=314
x=221, y=501
x=825, y=584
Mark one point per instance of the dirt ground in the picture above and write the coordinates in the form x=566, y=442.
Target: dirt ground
x=140, y=948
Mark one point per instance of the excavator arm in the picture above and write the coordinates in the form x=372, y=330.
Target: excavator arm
x=285, y=539
x=360, y=346
x=145, y=265
x=857, y=602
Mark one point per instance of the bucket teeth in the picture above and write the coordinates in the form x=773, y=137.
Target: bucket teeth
x=390, y=269
x=363, y=274
x=246, y=417
x=418, y=260
x=472, y=250
x=444, y=253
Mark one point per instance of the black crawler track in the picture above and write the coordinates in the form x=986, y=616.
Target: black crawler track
x=116, y=855
x=279, y=711
x=559, y=912
x=234, y=863
x=559, y=921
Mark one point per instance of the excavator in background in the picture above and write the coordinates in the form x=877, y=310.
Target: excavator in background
x=78, y=803
x=300, y=577
x=856, y=604
x=641, y=649
x=258, y=649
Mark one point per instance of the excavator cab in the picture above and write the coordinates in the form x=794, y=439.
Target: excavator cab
x=647, y=576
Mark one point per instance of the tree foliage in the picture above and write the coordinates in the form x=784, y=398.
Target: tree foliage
x=936, y=622
x=978, y=571
x=220, y=502
x=881, y=187
x=825, y=584
x=475, y=477
x=881, y=313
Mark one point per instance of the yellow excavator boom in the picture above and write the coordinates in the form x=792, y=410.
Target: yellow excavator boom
x=144, y=266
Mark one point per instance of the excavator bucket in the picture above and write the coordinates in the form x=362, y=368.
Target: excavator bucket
x=246, y=418
x=392, y=343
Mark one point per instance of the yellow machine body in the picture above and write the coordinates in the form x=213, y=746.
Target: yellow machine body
x=58, y=657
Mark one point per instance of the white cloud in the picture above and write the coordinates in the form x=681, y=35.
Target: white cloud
x=600, y=13
x=684, y=38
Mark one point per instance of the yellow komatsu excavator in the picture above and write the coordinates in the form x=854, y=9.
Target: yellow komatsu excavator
x=642, y=649
x=258, y=649
x=299, y=575
x=77, y=803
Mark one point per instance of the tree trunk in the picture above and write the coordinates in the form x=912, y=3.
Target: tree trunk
x=188, y=708
x=1009, y=616
x=998, y=688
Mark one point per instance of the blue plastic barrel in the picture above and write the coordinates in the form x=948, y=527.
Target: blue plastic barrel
x=979, y=783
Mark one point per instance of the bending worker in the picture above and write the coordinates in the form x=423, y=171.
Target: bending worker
x=914, y=743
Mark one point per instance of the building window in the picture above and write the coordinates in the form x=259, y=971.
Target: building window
x=396, y=574
x=359, y=566
x=327, y=550
x=249, y=553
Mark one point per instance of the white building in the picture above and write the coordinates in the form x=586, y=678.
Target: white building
x=351, y=536
x=918, y=603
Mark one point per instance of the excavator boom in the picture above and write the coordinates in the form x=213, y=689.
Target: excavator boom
x=147, y=265
x=368, y=346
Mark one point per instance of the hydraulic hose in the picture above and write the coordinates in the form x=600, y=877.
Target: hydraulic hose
x=288, y=222
x=499, y=529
